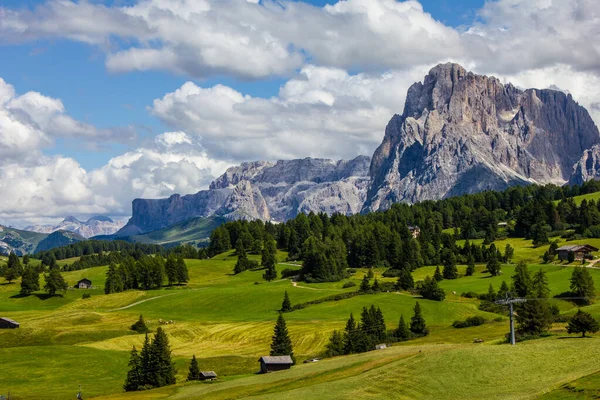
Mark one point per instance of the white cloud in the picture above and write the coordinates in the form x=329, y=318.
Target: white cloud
x=322, y=112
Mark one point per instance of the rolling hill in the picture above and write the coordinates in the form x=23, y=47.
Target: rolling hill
x=24, y=242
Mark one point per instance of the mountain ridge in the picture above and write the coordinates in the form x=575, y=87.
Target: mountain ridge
x=94, y=226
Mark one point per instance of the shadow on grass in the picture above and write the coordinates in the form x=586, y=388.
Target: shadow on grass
x=575, y=337
x=41, y=296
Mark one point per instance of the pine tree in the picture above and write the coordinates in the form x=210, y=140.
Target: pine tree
x=335, y=347
x=55, y=282
x=114, y=281
x=405, y=280
x=162, y=371
x=491, y=294
x=450, y=271
x=582, y=322
x=402, y=333
x=509, y=251
x=376, y=287
x=364, y=285
x=350, y=335
x=270, y=274
x=182, y=271
x=135, y=379
x=417, y=322
x=14, y=263
x=140, y=326
x=269, y=253
x=194, y=371
x=582, y=284
x=521, y=280
x=370, y=274
x=430, y=290
x=30, y=282
x=281, y=344
x=171, y=269
x=242, y=261
x=504, y=289
x=146, y=366
x=286, y=305
x=470, y=266
x=437, y=275
x=493, y=264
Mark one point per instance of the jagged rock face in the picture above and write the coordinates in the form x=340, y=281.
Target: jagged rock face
x=587, y=168
x=94, y=226
x=464, y=133
x=263, y=190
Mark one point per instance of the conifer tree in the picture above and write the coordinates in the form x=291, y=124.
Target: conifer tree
x=55, y=282
x=437, y=275
x=30, y=281
x=582, y=284
x=364, y=285
x=269, y=253
x=582, y=322
x=335, y=347
x=493, y=264
x=14, y=263
x=146, y=362
x=114, y=281
x=286, y=305
x=521, y=280
x=450, y=271
x=270, y=274
x=370, y=274
x=242, y=261
x=281, y=344
x=194, y=371
x=402, y=333
x=376, y=287
x=171, y=269
x=470, y=266
x=350, y=335
x=504, y=289
x=140, y=326
x=405, y=280
x=135, y=379
x=417, y=322
x=182, y=271
x=162, y=371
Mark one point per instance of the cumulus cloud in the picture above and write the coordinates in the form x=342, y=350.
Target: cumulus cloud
x=322, y=112
x=54, y=187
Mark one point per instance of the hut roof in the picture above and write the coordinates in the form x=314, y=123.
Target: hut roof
x=277, y=360
x=12, y=321
x=208, y=374
x=577, y=247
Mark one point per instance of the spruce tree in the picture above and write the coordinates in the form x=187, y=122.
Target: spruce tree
x=14, y=263
x=504, y=289
x=405, y=280
x=417, y=322
x=114, y=281
x=493, y=264
x=491, y=294
x=350, y=335
x=335, y=347
x=450, y=271
x=140, y=326
x=30, y=281
x=171, y=269
x=270, y=274
x=376, y=287
x=286, y=305
x=146, y=366
x=162, y=371
x=135, y=375
x=521, y=280
x=242, y=261
x=582, y=322
x=582, y=284
x=194, y=371
x=364, y=285
x=470, y=266
x=437, y=275
x=269, y=253
x=370, y=274
x=55, y=282
x=281, y=344
x=402, y=333
x=182, y=271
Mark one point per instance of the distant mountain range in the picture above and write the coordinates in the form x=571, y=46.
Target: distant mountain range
x=94, y=226
x=459, y=133
x=23, y=242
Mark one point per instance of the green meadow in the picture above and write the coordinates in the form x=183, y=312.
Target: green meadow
x=227, y=321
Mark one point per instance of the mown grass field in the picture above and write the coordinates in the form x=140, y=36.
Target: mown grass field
x=227, y=320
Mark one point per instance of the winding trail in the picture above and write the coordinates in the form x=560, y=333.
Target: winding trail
x=143, y=301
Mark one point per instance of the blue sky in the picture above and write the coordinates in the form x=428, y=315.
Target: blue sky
x=75, y=73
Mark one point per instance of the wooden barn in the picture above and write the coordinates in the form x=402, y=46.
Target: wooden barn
x=580, y=252
x=7, y=323
x=83, y=284
x=275, y=363
x=208, y=376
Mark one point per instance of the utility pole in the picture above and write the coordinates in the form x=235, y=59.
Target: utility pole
x=510, y=300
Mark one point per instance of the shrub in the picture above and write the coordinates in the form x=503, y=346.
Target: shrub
x=469, y=295
x=470, y=321
x=348, y=285
x=352, y=271
x=140, y=326
x=86, y=296
x=288, y=272
x=391, y=273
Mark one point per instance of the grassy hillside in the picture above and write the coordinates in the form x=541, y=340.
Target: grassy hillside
x=26, y=242
x=227, y=320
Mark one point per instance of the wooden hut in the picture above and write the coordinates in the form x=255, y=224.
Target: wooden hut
x=7, y=323
x=580, y=252
x=275, y=363
x=83, y=284
x=208, y=376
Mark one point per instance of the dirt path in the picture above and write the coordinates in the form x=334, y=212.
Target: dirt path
x=593, y=263
x=295, y=284
x=142, y=301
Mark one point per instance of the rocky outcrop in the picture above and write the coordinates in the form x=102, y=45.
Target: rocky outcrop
x=263, y=190
x=94, y=226
x=587, y=168
x=464, y=133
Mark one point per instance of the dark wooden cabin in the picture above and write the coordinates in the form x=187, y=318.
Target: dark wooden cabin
x=7, y=323
x=208, y=376
x=581, y=252
x=83, y=284
x=275, y=363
